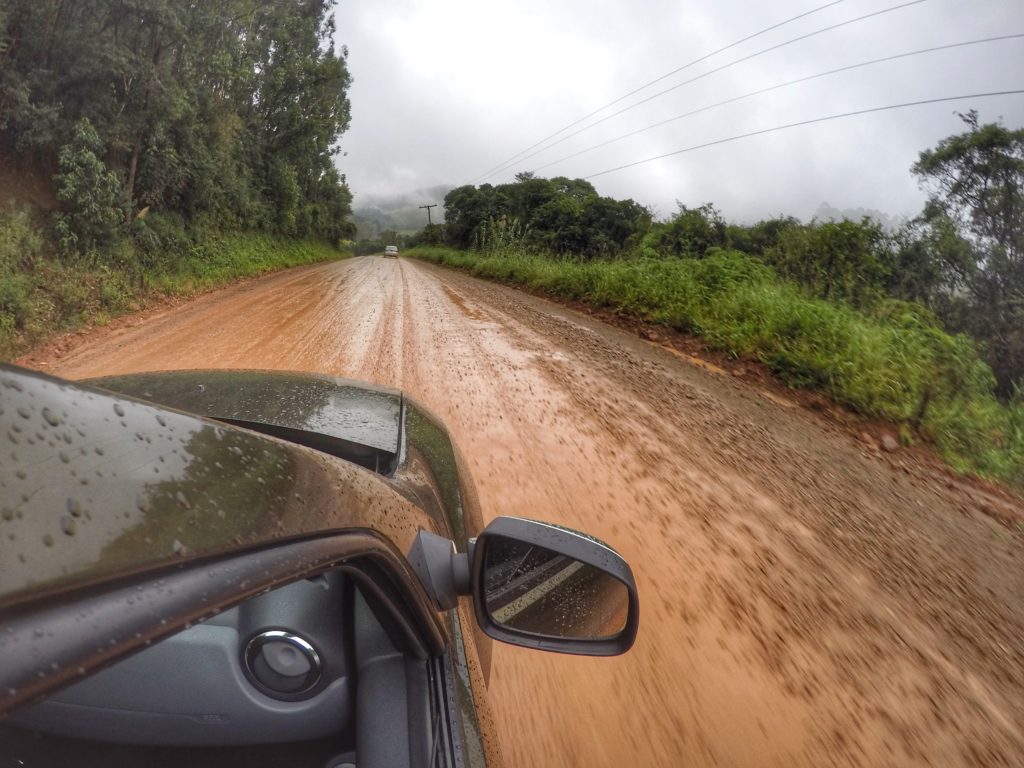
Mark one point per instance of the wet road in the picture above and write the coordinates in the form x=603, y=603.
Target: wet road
x=805, y=600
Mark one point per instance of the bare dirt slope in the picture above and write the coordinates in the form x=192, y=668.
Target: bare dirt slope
x=805, y=600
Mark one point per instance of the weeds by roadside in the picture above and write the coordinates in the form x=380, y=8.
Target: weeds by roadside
x=892, y=362
x=42, y=294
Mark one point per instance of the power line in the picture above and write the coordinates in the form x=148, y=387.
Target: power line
x=714, y=71
x=807, y=122
x=658, y=80
x=777, y=87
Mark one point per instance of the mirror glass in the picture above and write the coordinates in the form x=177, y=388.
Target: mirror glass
x=535, y=590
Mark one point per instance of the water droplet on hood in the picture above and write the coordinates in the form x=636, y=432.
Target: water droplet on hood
x=118, y=409
x=68, y=525
x=74, y=507
x=51, y=418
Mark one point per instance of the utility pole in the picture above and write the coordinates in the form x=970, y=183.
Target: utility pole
x=428, y=207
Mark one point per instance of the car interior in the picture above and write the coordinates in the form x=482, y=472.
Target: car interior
x=309, y=674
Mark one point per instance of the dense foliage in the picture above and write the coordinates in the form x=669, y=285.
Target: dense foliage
x=227, y=110
x=558, y=216
x=960, y=262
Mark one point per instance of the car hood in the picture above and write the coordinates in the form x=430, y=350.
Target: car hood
x=346, y=410
x=94, y=485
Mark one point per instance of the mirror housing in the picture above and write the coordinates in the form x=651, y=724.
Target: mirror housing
x=568, y=556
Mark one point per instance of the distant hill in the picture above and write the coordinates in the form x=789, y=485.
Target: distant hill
x=374, y=214
x=826, y=212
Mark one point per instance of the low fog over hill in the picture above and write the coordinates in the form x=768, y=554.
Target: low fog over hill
x=890, y=223
x=401, y=212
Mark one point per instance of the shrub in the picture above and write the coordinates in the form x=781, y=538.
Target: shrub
x=842, y=261
x=95, y=203
x=21, y=244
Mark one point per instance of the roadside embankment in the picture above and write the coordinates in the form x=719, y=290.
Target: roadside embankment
x=892, y=362
x=43, y=294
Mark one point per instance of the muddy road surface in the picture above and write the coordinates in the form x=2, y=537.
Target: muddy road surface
x=806, y=600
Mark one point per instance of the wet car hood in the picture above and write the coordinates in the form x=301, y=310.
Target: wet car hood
x=357, y=413
x=94, y=485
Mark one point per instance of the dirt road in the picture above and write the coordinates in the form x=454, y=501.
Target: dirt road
x=805, y=599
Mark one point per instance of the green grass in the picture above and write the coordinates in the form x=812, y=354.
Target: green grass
x=224, y=258
x=42, y=294
x=893, y=362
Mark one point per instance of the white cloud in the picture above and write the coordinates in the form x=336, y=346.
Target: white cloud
x=446, y=90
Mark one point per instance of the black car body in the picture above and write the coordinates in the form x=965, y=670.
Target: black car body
x=253, y=567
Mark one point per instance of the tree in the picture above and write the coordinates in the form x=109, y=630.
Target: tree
x=466, y=208
x=613, y=226
x=975, y=182
x=230, y=111
x=559, y=216
x=757, y=238
x=690, y=232
x=93, y=198
x=976, y=179
x=839, y=260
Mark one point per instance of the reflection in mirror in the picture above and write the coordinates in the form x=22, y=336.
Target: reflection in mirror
x=531, y=589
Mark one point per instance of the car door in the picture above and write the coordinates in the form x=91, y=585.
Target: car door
x=132, y=529
x=173, y=664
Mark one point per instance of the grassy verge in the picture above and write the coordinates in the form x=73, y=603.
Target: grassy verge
x=893, y=362
x=42, y=294
x=224, y=258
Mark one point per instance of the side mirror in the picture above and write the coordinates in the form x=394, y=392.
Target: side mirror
x=542, y=586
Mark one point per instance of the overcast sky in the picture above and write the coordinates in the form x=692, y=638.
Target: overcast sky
x=445, y=90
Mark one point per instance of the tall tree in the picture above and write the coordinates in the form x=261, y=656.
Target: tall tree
x=976, y=185
x=232, y=109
